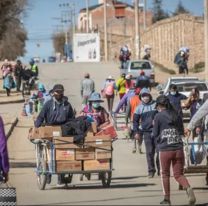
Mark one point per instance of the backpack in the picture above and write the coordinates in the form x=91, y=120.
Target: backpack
x=109, y=90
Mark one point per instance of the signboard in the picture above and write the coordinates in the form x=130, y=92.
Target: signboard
x=86, y=47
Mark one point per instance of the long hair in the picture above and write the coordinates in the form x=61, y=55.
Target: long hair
x=165, y=102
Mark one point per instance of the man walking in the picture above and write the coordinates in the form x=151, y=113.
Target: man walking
x=87, y=88
x=18, y=74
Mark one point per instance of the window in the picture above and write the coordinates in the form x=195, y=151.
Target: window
x=140, y=65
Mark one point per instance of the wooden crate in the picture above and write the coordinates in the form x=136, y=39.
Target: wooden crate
x=96, y=165
x=104, y=153
x=68, y=166
x=64, y=154
x=85, y=154
x=98, y=141
x=64, y=143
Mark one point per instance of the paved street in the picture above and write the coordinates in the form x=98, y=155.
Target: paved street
x=129, y=186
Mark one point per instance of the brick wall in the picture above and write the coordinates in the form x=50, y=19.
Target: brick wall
x=167, y=36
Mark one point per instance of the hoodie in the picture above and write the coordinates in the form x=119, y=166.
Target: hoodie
x=144, y=115
x=55, y=113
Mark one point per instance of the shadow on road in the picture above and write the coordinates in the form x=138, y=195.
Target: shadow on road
x=96, y=186
x=22, y=164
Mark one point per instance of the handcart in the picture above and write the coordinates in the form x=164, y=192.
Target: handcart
x=195, y=168
x=59, y=155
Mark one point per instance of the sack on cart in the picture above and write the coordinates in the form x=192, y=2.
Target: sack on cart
x=198, y=151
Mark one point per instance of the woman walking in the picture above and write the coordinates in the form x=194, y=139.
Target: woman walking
x=168, y=129
x=108, y=91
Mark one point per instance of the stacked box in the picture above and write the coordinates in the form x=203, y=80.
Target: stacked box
x=47, y=132
x=68, y=166
x=96, y=165
x=104, y=153
x=85, y=154
x=65, y=154
x=98, y=141
x=65, y=143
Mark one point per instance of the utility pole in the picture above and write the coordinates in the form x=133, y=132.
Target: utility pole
x=136, y=3
x=105, y=31
x=144, y=13
x=206, y=36
x=87, y=15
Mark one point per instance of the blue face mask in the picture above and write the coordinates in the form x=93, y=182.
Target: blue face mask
x=173, y=93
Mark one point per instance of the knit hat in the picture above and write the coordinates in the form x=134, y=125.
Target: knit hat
x=144, y=91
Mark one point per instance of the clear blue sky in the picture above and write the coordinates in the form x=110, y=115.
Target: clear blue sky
x=40, y=23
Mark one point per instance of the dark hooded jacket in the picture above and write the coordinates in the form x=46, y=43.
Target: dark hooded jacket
x=54, y=113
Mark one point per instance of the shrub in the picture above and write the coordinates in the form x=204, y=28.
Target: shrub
x=198, y=67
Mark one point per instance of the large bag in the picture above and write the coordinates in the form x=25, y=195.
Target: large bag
x=197, y=152
x=8, y=195
x=109, y=90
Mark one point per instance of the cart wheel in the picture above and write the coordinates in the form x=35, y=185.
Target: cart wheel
x=68, y=179
x=106, y=178
x=41, y=167
x=42, y=176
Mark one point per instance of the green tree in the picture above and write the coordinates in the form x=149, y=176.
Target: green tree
x=180, y=9
x=58, y=42
x=158, y=12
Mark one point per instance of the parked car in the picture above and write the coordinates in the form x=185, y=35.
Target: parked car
x=134, y=68
x=184, y=85
x=51, y=59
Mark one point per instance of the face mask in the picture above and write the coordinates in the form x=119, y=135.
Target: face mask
x=173, y=93
x=96, y=105
x=146, y=99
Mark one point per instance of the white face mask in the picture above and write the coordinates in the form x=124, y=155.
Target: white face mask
x=145, y=99
x=173, y=93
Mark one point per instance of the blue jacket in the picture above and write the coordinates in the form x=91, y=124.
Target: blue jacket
x=175, y=100
x=124, y=100
x=168, y=135
x=143, y=117
x=53, y=113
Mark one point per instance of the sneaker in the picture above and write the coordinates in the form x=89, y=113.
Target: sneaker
x=134, y=151
x=165, y=202
x=140, y=151
x=191, y=196
x=151, y=174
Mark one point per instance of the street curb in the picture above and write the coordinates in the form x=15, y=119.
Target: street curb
x=12, y=102
x=14, y=123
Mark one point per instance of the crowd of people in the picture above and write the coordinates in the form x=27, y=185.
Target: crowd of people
x=13, y=73
x=156, y=122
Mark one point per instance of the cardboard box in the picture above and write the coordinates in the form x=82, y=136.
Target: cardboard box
x=96, y=165
x=46, y=132
x=65, y=154
x=64, y=143
x=85, y=154
x=104, y=153
x=98, y=141
x=68, y=166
